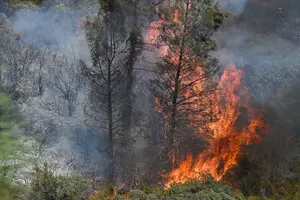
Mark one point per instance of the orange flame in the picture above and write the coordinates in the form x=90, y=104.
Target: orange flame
x=238, y=123
x=225, y=145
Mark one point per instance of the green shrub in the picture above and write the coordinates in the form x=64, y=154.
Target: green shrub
x=191, y=190
x=8, y=190
x=10, y=149
x=105, y=193
x=46, y=186
x=208, y=189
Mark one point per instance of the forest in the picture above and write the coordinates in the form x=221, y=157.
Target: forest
x=149, y=100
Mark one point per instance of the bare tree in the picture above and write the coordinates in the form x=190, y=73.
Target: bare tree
x=63, y=82
x=21, y=68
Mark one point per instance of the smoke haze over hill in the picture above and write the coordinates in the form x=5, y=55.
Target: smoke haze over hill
x=47, y=80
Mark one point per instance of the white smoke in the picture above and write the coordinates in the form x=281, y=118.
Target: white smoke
x=234, y=6
x=52, y=29
x=258, y=40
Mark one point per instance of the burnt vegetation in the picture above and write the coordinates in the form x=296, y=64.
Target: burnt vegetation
x=140, y=99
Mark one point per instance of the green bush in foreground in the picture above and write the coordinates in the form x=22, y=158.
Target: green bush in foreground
x=45, y=185
x=10, y=149
x=191, y=190
x=209, y=189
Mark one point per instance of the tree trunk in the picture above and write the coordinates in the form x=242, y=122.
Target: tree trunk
x=110, y=127
x=172, y=133
x=127, y=111
x=127, y=159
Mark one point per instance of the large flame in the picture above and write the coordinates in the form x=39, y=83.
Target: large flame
x=238, y=123
x=230, y=132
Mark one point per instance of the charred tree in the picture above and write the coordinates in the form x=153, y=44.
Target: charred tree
x=63, y=83
x=134, y=45
x=21, y=66
x=106, y=36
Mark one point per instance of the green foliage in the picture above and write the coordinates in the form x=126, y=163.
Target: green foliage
x=9, y=149
x=191, y=190
x=26, y=2
x=105, y=193
x=6, y=33
x=47, y=186
x=8, y=190
x=15, y=4
x=186, y=32
x=209, y=189
x=284, y=190
x=274, y=173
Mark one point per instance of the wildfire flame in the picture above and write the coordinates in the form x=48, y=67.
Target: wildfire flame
x=225, y=145
x=238, y=124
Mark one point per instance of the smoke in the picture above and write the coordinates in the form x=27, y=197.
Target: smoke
x=51, y=29
x=262, y=37
x=234, y=6
x=44, y=28
x=1, y=6
x=263, y=40
x=258, y=36
x=48, y=25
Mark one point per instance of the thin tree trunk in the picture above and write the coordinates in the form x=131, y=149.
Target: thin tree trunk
x=172, y=134
x=127, y=111
x=128, y=161
x=173, y=143
x=110, y=127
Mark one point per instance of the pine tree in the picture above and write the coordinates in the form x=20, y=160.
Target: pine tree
x=107, y=41
x=187, y=69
